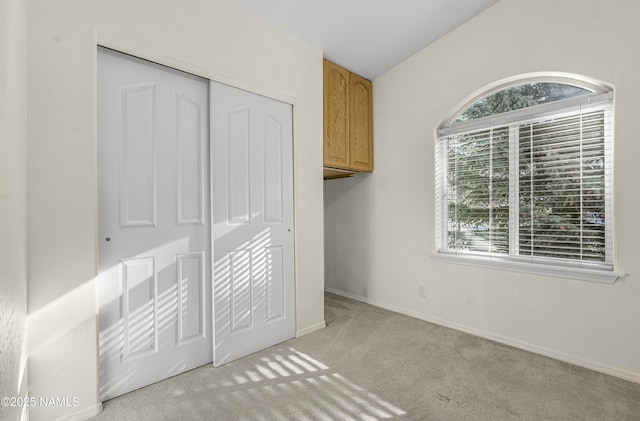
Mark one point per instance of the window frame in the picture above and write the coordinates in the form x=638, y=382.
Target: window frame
x=579, y=83
x=564, y=268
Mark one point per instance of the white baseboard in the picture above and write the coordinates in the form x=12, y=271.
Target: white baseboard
x=591, y=365
x=311, y=329
x=83, y=414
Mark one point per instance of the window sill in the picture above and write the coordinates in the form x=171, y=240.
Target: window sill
x=592, y=275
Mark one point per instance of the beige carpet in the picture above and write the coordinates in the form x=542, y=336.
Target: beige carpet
x=371, y=364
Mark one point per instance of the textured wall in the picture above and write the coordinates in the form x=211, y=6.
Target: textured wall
x=380, y=228
x=13, y=204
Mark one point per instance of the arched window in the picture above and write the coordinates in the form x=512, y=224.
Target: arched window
x=524, y=179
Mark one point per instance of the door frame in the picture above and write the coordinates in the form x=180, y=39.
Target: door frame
x=163, y=59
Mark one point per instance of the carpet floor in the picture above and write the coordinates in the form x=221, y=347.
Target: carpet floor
x=374, y=364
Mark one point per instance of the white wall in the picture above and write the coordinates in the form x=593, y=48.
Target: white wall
x=379, y=228
x=13, y=204
x=209, y=37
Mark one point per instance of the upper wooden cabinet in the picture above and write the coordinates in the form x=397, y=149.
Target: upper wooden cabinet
x=336, y=115
x=348, y=128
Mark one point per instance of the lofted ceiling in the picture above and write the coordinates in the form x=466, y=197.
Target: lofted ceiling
x=367, y=37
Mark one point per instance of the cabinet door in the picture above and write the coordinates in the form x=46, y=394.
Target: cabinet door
x=360, y=124
x=336, y=113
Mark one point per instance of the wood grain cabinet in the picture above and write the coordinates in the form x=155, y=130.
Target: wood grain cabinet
x=348, y=128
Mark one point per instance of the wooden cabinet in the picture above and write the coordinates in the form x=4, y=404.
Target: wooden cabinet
x=336, y=114
x=360, y=124
x=348, y=128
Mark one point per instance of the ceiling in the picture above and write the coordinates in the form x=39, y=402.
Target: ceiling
x=367, y=37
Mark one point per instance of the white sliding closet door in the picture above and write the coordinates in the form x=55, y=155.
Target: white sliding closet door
x=163, y=310
x=252, y=157
x=154, y=223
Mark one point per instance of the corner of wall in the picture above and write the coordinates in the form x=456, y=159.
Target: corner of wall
x=13, y=209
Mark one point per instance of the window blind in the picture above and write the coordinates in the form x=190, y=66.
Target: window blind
x=535, y=189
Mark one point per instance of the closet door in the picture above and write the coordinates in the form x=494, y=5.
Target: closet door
x=154, y=223
x=252, y=157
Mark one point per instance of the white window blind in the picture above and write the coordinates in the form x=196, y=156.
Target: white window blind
x=533, y=185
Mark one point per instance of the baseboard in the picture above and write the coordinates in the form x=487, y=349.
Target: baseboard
x=83, y=414
x=622, y=374
x=311, y=329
